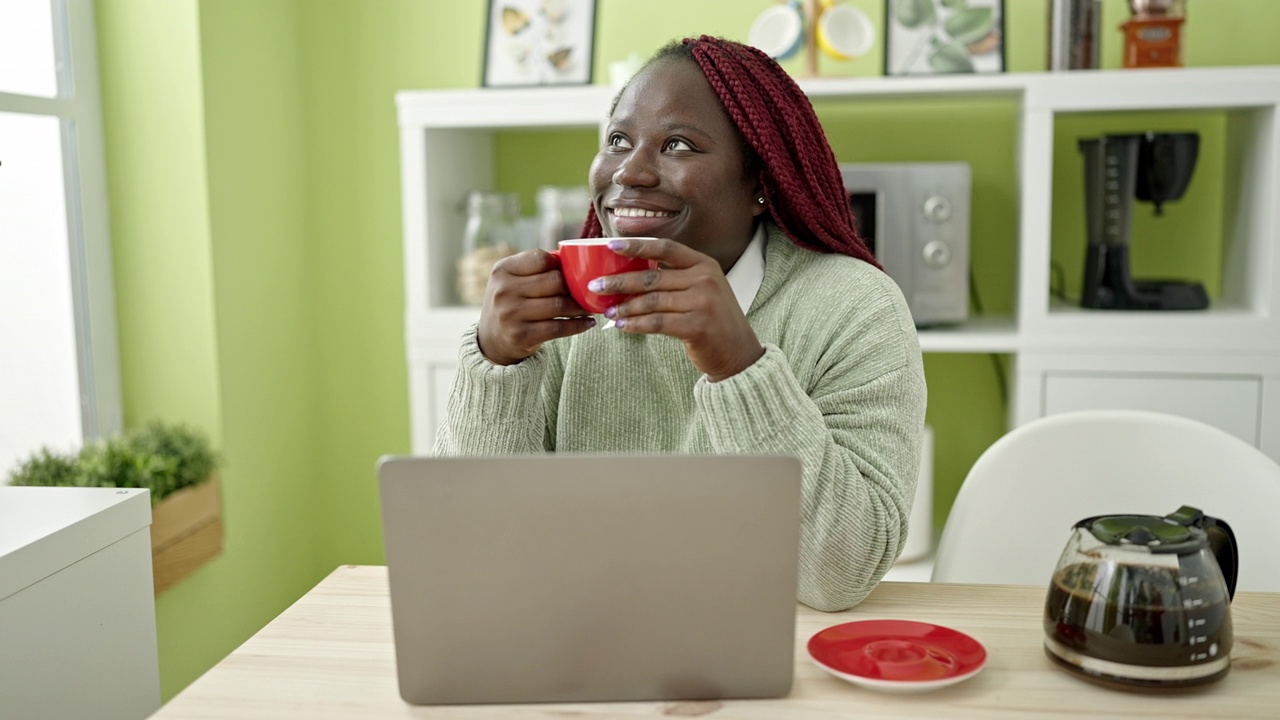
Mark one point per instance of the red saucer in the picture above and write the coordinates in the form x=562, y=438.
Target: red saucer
x=897, y=655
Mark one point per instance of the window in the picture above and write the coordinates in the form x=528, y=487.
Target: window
x=59, y=372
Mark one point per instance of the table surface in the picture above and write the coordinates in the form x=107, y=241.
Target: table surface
x=331, y=655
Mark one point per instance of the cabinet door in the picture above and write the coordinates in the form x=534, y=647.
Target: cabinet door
x=442, y=381
x=1230, y=403
x=429, y=384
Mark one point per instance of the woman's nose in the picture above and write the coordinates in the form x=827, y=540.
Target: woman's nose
x=636, y=170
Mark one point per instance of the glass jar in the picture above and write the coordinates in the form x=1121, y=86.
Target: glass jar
x=561, y=212
x=490, y=235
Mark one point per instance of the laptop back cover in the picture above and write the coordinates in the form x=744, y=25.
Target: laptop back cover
x=564, y=578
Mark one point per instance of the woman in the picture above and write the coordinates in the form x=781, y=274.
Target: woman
x=767, y=329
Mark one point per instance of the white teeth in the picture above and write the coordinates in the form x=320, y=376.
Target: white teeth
x=638, y=213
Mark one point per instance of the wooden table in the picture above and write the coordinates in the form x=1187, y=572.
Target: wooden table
x=330, y=655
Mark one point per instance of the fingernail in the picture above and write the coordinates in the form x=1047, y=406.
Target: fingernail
x=620, y=322
x=617, y=244
x=591, y=322
x=610, y=311
x=596, y=285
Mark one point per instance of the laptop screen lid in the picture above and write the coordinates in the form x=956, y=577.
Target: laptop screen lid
x=569, y=578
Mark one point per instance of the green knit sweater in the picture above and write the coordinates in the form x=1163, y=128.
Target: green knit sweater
x=840, y=385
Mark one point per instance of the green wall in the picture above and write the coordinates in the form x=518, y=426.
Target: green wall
x=153, y=115
x=215, y=288
x=254, y=179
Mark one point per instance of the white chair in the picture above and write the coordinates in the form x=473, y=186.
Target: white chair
x=1015, y=510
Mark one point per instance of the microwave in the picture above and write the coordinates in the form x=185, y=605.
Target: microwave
x=914, y=218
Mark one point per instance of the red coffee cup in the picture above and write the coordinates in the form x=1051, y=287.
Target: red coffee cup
x=584, y=260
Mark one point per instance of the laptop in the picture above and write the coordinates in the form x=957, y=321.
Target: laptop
x=578, y=578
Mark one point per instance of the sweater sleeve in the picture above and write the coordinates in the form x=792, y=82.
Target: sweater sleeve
x=493, y=409
x=859, y=444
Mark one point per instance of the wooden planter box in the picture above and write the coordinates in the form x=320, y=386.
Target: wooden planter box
x=186, y=532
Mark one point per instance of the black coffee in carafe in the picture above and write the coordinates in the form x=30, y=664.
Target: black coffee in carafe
x=1148, y=622
x=1142, y=601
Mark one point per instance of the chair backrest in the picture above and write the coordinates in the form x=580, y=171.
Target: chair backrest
x=1015, y=510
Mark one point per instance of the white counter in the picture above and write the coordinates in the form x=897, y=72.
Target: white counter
x=77, y=609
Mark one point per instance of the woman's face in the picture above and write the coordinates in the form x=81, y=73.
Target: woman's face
x=672, y=165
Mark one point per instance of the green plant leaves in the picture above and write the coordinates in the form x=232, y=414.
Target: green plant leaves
x=955, y=31
x=970, y=25
x=47, y=468
x=949, y=57
x=914, y=13
x=162, y=458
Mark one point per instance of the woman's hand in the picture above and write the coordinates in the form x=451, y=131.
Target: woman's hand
x=526, y=304
x=688, y=298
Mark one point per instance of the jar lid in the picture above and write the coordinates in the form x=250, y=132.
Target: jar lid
x=491, y=201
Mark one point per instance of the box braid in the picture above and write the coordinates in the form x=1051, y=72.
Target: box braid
x=785, y=145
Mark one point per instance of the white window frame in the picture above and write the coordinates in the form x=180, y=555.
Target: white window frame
x=78, y=106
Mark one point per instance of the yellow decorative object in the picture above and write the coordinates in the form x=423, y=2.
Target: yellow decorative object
x=845, y=32
x=842, y=31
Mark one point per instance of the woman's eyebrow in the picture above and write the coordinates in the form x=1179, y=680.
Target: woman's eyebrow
x=670, y=126
x=682, y=127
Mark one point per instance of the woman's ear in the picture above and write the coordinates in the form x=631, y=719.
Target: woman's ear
x=759, y=202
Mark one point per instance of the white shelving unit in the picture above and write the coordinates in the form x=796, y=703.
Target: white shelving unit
x=1221, y=365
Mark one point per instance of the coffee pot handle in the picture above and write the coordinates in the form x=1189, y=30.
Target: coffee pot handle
x=1222, y=542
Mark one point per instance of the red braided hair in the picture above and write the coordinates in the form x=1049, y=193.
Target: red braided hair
x=784, y=145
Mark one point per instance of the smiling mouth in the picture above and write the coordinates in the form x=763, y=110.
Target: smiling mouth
x=639, y=213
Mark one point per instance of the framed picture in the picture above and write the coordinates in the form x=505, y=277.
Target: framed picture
x=936, y=37
x=539, y=42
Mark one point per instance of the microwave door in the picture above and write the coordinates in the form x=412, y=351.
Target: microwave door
x=896, y=231
x=867, y=206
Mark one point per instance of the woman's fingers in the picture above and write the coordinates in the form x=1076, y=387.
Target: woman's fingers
x=532, y=262
x=666, y=251
x=545, y=308
x=687, y=297
x=705, y=278
x=676, y=324
x=533, y=334
x=527, y=304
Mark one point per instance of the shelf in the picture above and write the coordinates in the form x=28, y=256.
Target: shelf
x=977, y=335
x=1075, y=91
x=1152, y=89
x=1219, y=328
x=994, y=85
x=561, y=107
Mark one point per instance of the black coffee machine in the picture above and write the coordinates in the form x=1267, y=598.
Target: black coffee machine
x=1152, y=167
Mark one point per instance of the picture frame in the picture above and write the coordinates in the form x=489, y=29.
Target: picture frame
x=539, y=42
x=939, y=37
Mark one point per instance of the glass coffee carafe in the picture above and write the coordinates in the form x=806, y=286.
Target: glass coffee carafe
x=1142, y=601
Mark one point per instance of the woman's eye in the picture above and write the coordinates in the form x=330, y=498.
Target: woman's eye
x=619, y=141
x=678, y=144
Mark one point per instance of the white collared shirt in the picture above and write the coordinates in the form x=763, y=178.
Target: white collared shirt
x=746, y=275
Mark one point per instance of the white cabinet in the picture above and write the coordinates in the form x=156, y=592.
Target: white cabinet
x=1229, y=403
x=77, y=609
x=1063, y=357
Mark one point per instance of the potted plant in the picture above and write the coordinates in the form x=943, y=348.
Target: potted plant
x=175, y=462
